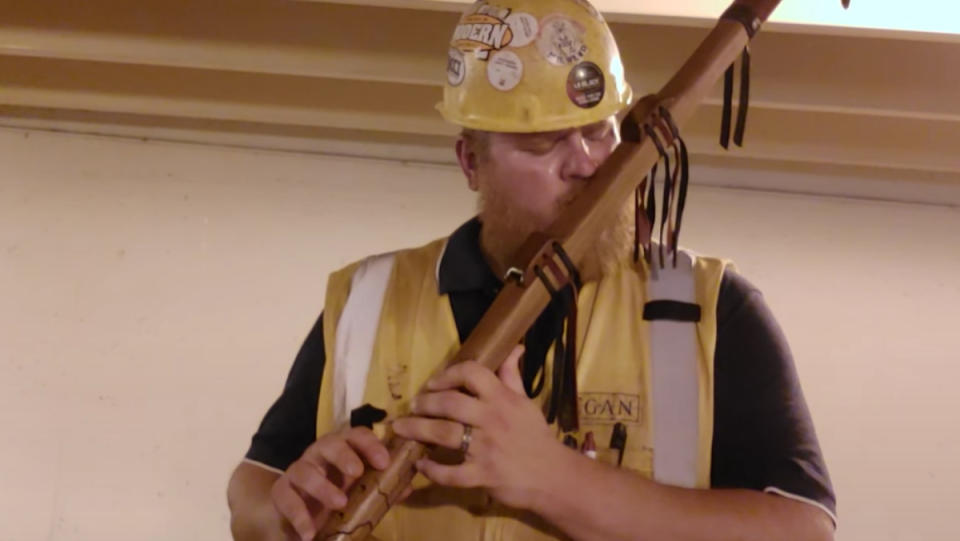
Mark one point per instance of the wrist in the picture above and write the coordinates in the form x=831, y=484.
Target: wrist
x=265, y=523
x=564, y=466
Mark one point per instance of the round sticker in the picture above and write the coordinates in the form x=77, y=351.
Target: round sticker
x=585, y=85
x=561, y=40
x=504, y=70
x=524, y=28
x=456, y=69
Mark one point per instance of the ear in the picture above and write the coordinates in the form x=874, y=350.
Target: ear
x=467, y=158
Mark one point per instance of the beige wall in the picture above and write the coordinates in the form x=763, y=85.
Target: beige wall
x=153, y=295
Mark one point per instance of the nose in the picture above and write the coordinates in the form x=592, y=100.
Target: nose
x=580, y=161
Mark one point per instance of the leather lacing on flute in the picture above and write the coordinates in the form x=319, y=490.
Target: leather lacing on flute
x=561, y=322
x=663, y=132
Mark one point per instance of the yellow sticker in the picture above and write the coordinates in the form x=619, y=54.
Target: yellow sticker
x=483, y=31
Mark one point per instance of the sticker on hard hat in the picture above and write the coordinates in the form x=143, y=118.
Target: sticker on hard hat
x=561, y=40
x=524, y=28
x=456, y=69
x=504, y=70
x=483, y=30
x=585, y=85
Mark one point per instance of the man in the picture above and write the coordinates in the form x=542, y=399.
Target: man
x=536, y=84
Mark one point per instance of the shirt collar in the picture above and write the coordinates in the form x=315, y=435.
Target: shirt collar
x=462, y=266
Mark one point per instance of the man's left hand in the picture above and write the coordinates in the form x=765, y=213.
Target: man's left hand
x=512, y=451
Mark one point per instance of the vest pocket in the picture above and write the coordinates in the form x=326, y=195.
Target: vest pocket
x=636, y=456
x=639, y=460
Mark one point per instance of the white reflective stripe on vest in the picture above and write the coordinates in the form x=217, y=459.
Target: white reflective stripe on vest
x=674, y=354
x=356, y=334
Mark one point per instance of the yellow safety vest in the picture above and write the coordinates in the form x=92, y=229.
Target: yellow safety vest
x=387, y=329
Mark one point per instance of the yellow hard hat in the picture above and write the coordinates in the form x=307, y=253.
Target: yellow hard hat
x=532, y=65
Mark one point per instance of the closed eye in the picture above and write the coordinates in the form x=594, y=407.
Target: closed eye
x=598, y=133
x=541, y=143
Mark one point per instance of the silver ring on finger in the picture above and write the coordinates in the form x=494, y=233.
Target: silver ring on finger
x=466, y=438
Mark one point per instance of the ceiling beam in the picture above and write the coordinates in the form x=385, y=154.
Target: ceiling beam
x=400, y=46
x=292, y=71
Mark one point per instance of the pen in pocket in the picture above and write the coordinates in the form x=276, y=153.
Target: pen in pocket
x=589, y=447
x=618, y=440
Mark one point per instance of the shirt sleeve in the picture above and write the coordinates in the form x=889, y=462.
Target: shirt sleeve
x=289, y=426
x=764, y=438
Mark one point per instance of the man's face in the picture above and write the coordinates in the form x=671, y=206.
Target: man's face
x=529, y=177
x=525, y=180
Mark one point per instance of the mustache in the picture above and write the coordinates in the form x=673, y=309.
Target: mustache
x=571, y=196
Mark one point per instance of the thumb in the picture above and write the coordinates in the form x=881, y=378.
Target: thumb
x=509, y=371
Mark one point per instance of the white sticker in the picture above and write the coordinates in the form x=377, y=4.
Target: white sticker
x=504, y=70
x=561, y=40
x=456, y=68
x=524, y=28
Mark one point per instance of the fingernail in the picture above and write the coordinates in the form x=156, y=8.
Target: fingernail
x=340, y=500
x=380, y=459
x=413, y=404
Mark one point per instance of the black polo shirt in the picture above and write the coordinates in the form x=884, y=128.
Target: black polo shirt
x=763, y=437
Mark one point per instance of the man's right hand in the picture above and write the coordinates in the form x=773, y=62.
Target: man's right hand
x=317, y=482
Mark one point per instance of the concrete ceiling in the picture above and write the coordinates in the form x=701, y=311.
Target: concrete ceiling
x=360, y=78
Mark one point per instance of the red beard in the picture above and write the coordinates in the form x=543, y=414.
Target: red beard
x=506, y=227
